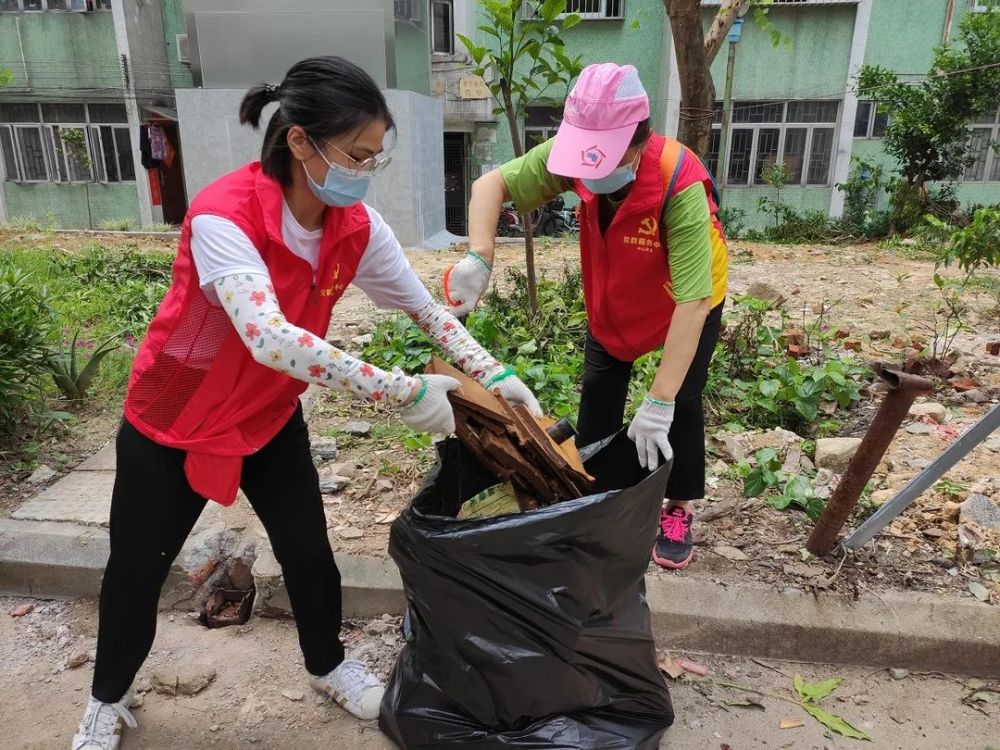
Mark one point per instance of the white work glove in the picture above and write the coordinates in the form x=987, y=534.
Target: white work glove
x=430, y=410
x=513, y=389
x=650, y=431
x=465, y=282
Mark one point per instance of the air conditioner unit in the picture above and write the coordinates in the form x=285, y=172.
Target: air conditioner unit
x=183, y=53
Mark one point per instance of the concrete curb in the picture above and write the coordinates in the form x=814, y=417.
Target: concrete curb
x=912, y=631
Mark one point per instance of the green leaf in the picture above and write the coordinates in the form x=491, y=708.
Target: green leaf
x=477, y=52
x=807, y=409
x=834, y=722
x=573, y=19
x=815, y=691
x=780, y=502
x=799, y=488
x=754, y=484
x=765, y=457
x=769, y=388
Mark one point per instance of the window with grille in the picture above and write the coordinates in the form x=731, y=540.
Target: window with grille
x=984, y=150
x=443, y=26
x=798, y=134
x=540, y=124
x=66, y=142
x=588, y=10
x=37, y=6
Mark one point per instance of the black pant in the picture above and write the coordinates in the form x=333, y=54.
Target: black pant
x=153, y=509
x=605, y=391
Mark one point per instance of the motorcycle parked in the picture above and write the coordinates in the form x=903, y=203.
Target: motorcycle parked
x=556, y=219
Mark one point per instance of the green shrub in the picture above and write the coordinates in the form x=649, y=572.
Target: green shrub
x=973, y=247
x=733, y=220
x=751, y=381
x=25, y=325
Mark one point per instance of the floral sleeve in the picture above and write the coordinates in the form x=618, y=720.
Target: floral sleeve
x=445, y=330
x=250, y=302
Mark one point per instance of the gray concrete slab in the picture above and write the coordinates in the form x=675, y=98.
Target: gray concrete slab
x=82, y=497
x=103, y=460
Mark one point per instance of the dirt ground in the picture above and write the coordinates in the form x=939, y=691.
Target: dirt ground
x=865, y=289
x=259, y=697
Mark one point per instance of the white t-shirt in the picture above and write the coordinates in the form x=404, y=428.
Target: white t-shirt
x=220, y=248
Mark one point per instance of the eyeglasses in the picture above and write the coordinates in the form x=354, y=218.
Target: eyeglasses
x=371, y=165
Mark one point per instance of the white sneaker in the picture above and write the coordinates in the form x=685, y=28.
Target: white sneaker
x=101, y=728
x=353, y=687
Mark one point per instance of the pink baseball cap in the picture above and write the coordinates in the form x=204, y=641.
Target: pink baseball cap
x=599, y=120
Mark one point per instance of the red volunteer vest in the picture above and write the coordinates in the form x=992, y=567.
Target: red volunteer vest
x=194, y=384
x=626, y=272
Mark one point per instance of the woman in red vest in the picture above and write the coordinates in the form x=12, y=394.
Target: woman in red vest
x=654, y=263
x=213, y=402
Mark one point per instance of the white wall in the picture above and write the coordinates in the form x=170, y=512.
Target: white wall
x=409, y=193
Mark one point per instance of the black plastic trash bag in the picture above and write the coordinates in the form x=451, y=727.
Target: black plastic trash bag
x=528, y=630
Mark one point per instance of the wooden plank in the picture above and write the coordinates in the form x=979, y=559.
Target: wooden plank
x=471, y=390
x=524, y=473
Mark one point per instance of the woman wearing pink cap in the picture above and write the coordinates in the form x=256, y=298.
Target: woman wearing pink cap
x=654, y=261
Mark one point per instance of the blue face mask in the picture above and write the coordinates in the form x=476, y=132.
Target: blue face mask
x=342, y=187
x=613, y=182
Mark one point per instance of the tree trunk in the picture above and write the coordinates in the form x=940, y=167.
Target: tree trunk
x=693, y=64
x=721, y=24
x=529, y=235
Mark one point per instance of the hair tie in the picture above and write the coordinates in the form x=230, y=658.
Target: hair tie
x=273, y=91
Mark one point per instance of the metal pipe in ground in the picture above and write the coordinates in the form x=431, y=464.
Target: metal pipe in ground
x=903, y=389
x=955, y=453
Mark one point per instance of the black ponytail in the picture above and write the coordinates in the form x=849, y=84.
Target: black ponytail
x=255, y=101
x=325, y=96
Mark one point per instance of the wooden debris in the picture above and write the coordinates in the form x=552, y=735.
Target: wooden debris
x=514, y=445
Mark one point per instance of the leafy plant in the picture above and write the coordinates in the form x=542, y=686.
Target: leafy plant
x=733, y=221
x=25, y=325
x=975, y=246
x=862, y=188
x=775, y=175
x=524, y=61
x=72, y=379
x=947, y=318
x=783, y=489
x=753, y=380
x=74, y=142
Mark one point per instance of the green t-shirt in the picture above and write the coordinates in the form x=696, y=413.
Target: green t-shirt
x=686, y=222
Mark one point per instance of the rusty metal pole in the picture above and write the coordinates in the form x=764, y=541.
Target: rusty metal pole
x=903, y=389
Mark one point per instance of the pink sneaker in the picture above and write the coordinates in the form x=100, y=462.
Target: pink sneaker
x=674, y=547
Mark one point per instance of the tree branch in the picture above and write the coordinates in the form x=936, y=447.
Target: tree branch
x=721, y=24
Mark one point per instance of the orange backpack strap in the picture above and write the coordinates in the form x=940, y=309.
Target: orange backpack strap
x=671, y=160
